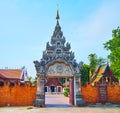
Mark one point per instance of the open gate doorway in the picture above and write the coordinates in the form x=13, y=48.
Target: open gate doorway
x=58, y=69
x=54, y=95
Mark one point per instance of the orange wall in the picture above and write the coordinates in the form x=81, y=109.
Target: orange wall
x=90, y=93
x=17, y=95
x=25, y=95
x=114, y=93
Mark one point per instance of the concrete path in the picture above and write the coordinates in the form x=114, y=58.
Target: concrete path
x=59, y=110
x=56, y=100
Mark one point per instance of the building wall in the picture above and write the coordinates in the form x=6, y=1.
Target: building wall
x=90, y=93
x=17, y=95
x=25, y=95
x=53, y=82
x=114, y=93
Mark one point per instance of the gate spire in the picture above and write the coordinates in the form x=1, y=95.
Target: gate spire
x=57, y=15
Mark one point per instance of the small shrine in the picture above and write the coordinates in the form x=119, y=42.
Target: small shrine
x=103, y=74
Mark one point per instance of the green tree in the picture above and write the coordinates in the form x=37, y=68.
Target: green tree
x=95, y=61
x=66, y=91
x=92, y=62
x=85, y=74
x=86, y=69
x=101, y=60
x=113, y=46
x=63, y=80
x=32, y=80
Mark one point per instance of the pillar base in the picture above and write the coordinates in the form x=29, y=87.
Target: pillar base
x=39, y=103
x=80, y=102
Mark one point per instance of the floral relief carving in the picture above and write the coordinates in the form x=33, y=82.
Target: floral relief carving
x=59, y=70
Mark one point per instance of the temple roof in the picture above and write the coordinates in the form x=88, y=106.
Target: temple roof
x=10, y=73
x=100, y=71
x=58, y=47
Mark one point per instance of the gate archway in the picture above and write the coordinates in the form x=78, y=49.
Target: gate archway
x=58, y=61
x=61, y=69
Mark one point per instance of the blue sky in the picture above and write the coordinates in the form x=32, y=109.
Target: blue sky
x=26, y=26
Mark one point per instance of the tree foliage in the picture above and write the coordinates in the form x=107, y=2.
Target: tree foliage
x=32, y=80
x=95, y=61
x=85, y=74
x=113, y=46
x=63, y=80
x=66, y=91
x=92, y=61
x=86, y=69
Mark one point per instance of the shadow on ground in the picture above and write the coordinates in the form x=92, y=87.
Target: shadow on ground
x=59, y=105
x=104, y=105
x=90, y=105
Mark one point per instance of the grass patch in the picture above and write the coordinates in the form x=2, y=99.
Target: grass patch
x=30, y=107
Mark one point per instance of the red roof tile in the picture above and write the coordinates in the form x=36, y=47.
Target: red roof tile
x=1, y=76
x=10, y=73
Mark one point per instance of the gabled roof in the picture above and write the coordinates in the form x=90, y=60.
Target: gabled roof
x=10, y=73
x=53, y=81
x=99, y=73
x=1, y=76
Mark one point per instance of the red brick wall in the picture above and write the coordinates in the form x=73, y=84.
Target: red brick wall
x=90, y=93
x=25, y=95
x=17, y=95
x=114, y=93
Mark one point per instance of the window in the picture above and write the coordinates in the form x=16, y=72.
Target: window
x=1, y=83
x=58, y=51
x=58, y=44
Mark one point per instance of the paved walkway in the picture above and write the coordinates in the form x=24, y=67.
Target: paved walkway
x=59, y=104
x=59, y=110
x=54, y=100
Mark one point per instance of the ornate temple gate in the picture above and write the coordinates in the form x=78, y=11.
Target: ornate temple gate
x=58, y=61
x=62, y=70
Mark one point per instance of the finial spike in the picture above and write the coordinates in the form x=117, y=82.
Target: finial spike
x=57, y=15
